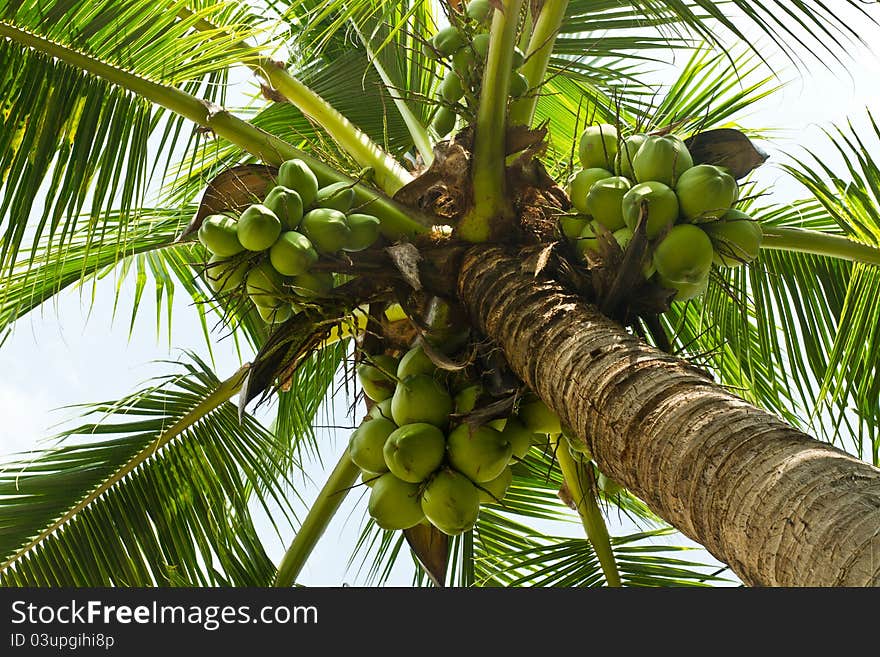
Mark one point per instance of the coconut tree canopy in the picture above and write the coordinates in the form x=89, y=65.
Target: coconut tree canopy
x=559, y=287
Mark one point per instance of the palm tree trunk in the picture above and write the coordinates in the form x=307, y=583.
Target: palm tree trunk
x=781, y=508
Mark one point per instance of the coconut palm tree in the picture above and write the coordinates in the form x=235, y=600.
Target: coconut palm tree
x=701, y=410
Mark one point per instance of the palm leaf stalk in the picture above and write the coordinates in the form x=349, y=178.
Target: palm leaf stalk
x=389, y=174
x=490, y=201
x=813, y=241
x=540, y=48
x=321, y=512
x=268, y=148
x=581, y=489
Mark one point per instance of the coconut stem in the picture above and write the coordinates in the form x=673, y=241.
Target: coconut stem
x=320, y=514
x=818, y=243
x=588, y=509
x=490, y=199
x=389, y=174
x=397, y=221
x=522, y=111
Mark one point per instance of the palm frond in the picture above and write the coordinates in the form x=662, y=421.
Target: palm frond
x=72, y=143
x=170, y=468
x=799, y=29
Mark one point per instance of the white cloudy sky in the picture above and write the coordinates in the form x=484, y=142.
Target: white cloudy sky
x=68, y=353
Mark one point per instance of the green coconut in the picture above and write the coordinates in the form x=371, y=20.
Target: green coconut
x=312, y=284
x=466, y=399
x=446, y=331
x=275, y=314
x=395, y=504
x=219, y=234
x=685, y=291
x=626, y=153
x=451, y=88
x=451, y=502
x=480, y=453
x=598, y=146
x=336, y=196
x=224, y=275
x=292, y=254
x=623, y=236
x=580, y=185
x=363, y=231
x=519, y=436
x=478, y=10
x=444, y=121
x=736, y=239
x=377, y=379
x=287, y=205
x=571, y=226
x=464, y=61
x=588, y=240
x=480, y=44
x=297, y=175
x=448, y=40
x=519, y=85
x=369, y=478
x=421, y=398
x=495, y=490
x=415, y=361
x=535, y=414
x=519, y=58
x=605, y=201
x=662, y=159
x=327, y=229
x=662, y=207
x=414, y=451
x=264, y=286
x=382, y=409
x=684, y=255
x=258, y=228
x=498, y=423
x=705, y=193
x=367, y=442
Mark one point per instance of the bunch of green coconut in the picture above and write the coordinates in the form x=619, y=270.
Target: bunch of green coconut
x=690, y=220
x=464, y=46
x=270, y=250
x=424, y=461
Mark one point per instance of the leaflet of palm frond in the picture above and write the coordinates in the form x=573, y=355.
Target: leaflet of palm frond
x=431, y=547
x=726, y=147
x=234, y=190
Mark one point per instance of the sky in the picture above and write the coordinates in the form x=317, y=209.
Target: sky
x=71, y=352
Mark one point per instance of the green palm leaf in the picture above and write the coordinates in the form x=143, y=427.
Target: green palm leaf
x=173, y=473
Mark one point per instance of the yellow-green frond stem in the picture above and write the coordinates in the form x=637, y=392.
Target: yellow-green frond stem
x=818, y=243
x=491, y=204
x=522, y=111
x=320, y=514
x=396, y=220
x=389, y=174
x=578, y=484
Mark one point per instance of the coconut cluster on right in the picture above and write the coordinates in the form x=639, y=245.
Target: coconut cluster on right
x=688, y=210
x=424, y=461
